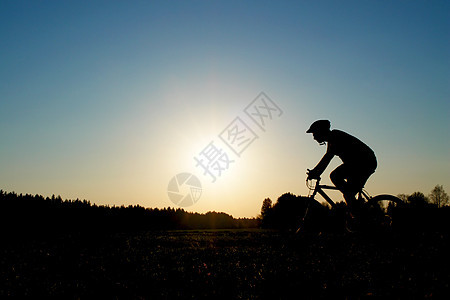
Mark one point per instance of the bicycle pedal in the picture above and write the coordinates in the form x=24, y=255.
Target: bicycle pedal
x=352, y=224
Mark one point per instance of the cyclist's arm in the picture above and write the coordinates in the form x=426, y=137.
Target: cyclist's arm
x=322, y=165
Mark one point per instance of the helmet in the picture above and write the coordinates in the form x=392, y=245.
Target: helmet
x=320, y=125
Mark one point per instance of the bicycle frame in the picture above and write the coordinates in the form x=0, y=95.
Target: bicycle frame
x=319, y=189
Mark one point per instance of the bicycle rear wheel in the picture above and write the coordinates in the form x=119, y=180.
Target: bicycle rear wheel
x=382, y=210
x=385, y=201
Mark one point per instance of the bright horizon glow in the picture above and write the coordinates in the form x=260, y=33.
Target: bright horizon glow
x=108, y=101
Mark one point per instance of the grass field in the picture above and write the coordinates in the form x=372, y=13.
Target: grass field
x=225, y=264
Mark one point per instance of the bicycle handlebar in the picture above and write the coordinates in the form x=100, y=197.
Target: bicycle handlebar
x=311, y=186
x=309, y=178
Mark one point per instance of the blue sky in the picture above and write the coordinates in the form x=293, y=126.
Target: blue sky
x=108, y=100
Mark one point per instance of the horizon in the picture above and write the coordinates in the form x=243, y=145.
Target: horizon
x=175, y=207
x=110, y=101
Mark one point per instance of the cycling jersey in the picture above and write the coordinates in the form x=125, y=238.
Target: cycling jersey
x=351, y=150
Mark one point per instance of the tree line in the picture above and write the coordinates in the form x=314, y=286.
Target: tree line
x=36, y=214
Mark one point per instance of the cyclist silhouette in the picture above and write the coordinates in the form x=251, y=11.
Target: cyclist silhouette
x=359, y=161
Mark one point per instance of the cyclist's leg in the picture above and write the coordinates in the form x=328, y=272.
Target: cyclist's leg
x=338, y=177
x=342, y=179
x=350, y=180
x=356, y=181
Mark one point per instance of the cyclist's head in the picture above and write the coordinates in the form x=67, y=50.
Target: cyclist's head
x=320, y=126
x=320, y=130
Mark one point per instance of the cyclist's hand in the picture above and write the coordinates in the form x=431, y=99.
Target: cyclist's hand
x=312, y=174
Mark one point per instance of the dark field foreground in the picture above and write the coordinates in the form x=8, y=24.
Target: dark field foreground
x=225, y=264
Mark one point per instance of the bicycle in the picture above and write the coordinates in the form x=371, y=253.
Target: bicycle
x=378, y=209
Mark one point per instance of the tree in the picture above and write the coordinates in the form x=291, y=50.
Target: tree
x=403, y=197
x=418, y=200
x=438, y=196
x=266, y=207
x=266, y=212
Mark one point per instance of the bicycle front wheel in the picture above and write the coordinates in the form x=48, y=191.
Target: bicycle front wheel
x=312, y=217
